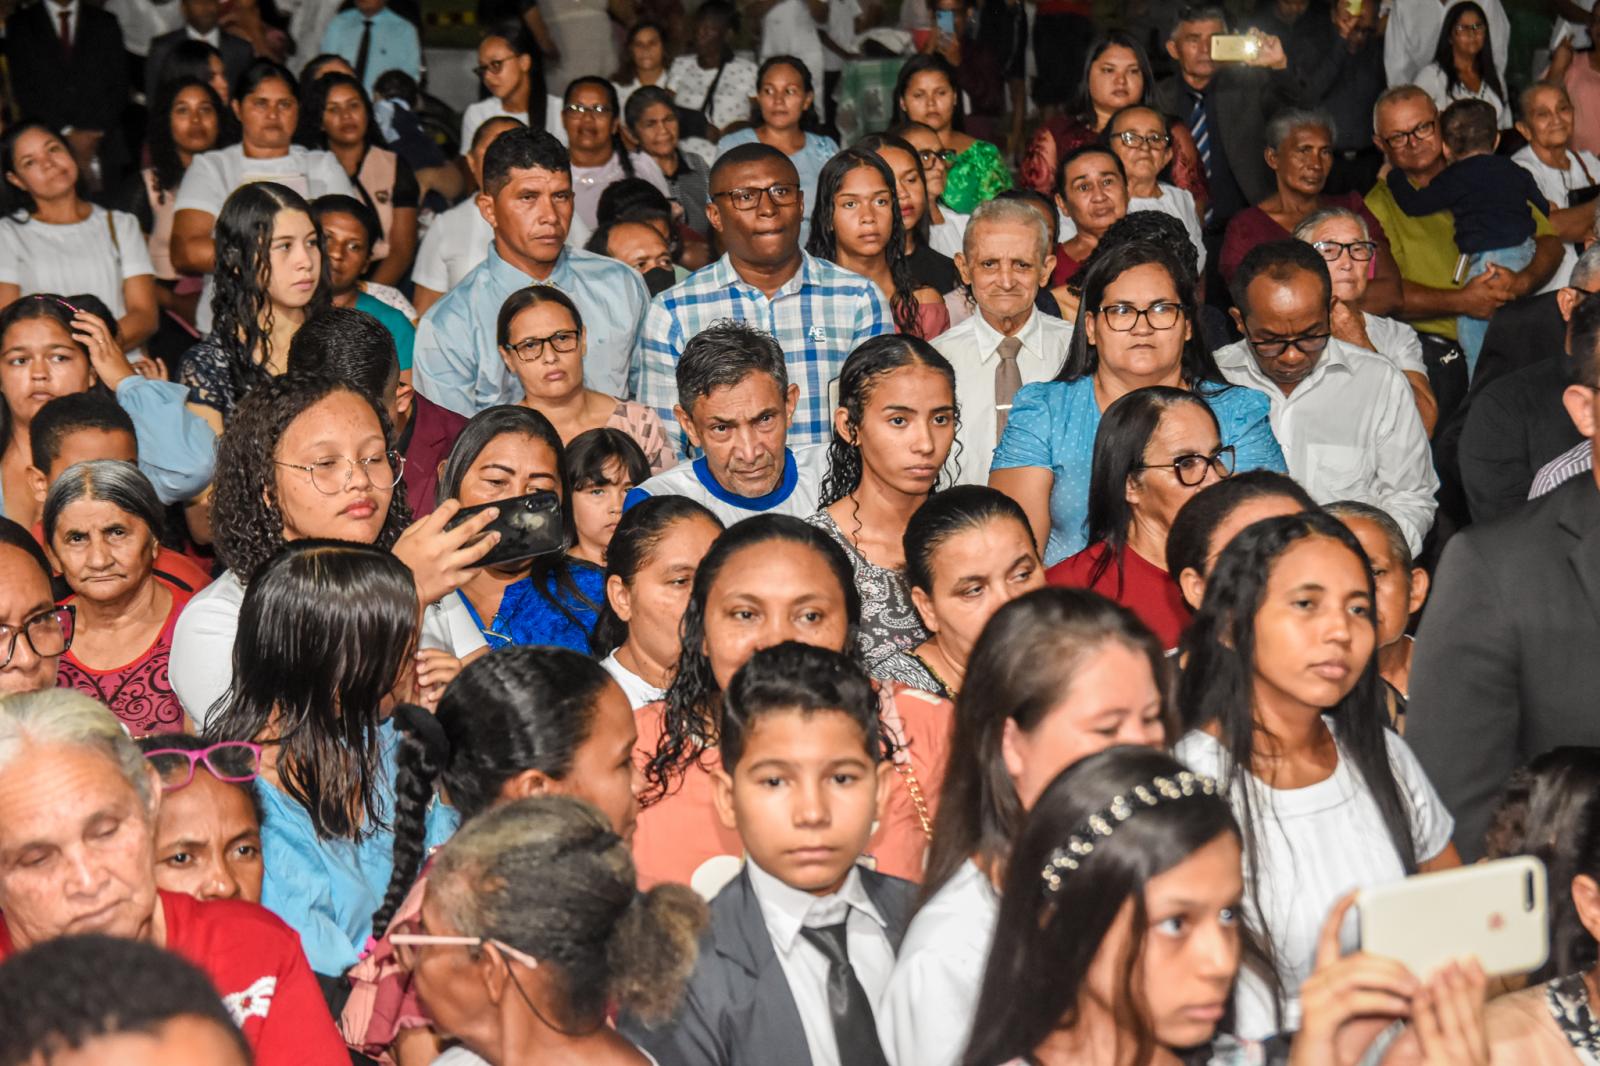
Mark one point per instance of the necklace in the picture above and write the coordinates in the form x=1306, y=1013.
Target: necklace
x=918, y=801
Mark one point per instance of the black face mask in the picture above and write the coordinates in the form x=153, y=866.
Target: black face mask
x=659, y=279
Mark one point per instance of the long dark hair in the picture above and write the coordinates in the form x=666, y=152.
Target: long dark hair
x=515, y=33
x=164, y=161
x=875, y=143
x=1080, y=106
x=15, y=202
x=1021, y=667
x=861, y=375
x=38, y=305
x=314, y=97
x=824, y=241
x=693, y=702
x=810, y=121
x=241, y=310
x=626, y=71
x=618, y=148
x=1048, y=934
x=1189, y=540
x=947, y=514
x=633, y=546
x=1119, y=445
x=583, y=466
x=520, y=709
x=1482, y=63
x=325, y=630
x=918, y=63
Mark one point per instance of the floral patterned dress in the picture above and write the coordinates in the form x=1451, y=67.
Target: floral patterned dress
x=889, y=620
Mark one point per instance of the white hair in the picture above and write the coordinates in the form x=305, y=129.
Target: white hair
x=1315, y=219
x=63, y=717
x=1016, y=211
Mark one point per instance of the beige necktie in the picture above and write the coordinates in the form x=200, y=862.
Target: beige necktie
x=1007, y=380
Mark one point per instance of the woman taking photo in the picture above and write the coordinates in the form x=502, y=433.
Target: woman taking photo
x=784, y=117
x=508, y=67
x=1058, y=675
x=650, y=564
x=651, y=119
x=1156, y=447
x=53, y=240
x=1136, y=328
x=1280, y=692
x=601, y=466
x=1463, y=66
x=712, y=83
x=857, y=224
x=926, y=92
x=893, y=430
x=1093, y=197
x=644, y=60
x=769, y=579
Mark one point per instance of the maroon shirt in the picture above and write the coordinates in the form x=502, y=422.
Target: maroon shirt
x=426, y=442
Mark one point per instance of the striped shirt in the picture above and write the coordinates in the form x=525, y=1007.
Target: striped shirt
x=1579, y=459
x=818, y=317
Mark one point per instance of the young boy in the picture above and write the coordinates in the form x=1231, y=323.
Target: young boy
x=1487, y=194
x=801, y=943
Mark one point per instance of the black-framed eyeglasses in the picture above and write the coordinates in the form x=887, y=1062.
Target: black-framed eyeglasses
x=929, y=157
x=233, y=761
x=1190, y=469
x=48, y=633
x=1360, y=251
x=1310, y=344
x=492, y=67
x=588, y=109
x=1146, y=140
x=1163, y=314
x=746, y=199
x=1420, y=132
x=332, y=475
x=528, y=349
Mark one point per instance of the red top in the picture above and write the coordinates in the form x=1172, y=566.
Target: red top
x=138, y=692
x=1253, y=226
x=1142, y=587
x=256, y=963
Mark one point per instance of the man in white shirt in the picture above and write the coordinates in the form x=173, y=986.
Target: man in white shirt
x=735, y=403
x=1412, y=36
x=1344, y=416
x=1005, y=258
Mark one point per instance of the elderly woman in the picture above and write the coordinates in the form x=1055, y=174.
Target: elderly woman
x=78, y=809
x=208, y=838
x=1300, y=153
x=101, y=530
x=1342, y=238
x=1557, y=165
x=1092, y=197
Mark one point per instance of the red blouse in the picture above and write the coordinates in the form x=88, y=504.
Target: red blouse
x=138, y=692
x=1141, y=586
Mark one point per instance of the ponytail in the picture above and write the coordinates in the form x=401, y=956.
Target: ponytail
x=652, y=950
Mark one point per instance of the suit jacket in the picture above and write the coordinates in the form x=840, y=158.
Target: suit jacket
x=87, y=90
x=739, y=1009
x=1514, y=426
x=1501, y=670
x=236, y=55
x=1242, y=100
x=1521, y=332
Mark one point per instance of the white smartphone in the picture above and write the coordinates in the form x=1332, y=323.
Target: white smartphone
x=1494, y=911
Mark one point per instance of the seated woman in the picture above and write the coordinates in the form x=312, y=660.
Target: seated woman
x=893, y=430
x=53, y=240
x=593, y=121
x=601, y=466
x=1463, y=66
x=1156, y=447
x=511, y=69
x=946, y=225
x=1142, y=137
x=541, y=895
x=651, y=119
x=201, y=61
x=102, y=523
x=712, y=84
x=926, y=92
x=930, y=268
x=522, y=722
x=1093, y=196
x=1137, y=329
x=784, y=116
x=349, y=231
x=327, y=631
x=336, y=116
x=502, y=453
x=1208, y=522
x=857, y=225
x=208, y=834
x=1300, y=155
x=1058, y=675
x=644, y=60
x=650, y=564
x=541, y=337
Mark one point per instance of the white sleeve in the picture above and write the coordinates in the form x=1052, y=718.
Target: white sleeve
x=200, y=665
x=327, y=177
x=428, y=270
x=131, y=243
x=1405, y=481
x=10, y=254
x=925, y=1015
x=202, y=189
x=1431, y=824
x=467, y=130
x=448, y=625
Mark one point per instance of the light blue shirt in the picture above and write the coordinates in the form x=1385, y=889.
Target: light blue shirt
x=808, y=161
x=456, y=361
x=1053, y=425
x=394, y=43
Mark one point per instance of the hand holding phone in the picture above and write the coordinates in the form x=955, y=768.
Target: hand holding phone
x=1235, y=47
x=528, y=526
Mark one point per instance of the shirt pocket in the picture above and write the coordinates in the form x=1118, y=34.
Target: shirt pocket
x=1339, y=471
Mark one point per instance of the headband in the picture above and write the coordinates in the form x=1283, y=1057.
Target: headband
x=1080, y=845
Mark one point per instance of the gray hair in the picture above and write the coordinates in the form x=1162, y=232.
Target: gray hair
x=116, y=482
x=64, y=717
x=1015, y=211
x=724, y=354
x=1198, y=13
x=1586, y=271
x=1525, y=97
x=1315, y=219
x=1290, y=119
x=1397, y=94
x=1399, y=547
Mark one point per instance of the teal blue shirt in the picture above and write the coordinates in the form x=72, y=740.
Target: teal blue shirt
x=395, y=321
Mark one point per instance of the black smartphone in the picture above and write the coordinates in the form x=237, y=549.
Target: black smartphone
x=528, y=526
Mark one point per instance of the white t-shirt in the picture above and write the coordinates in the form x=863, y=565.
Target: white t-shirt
x=689, y=82
x=1315, y=845
x=789, y=29
x=842, y=15
x=637, y=689
x=213, y=176
x=1431, y=80
x=458, y=240
x=1583, y=169
x=489, y=107
x=79, y=257
x=1397, y=342
x=796, y=494
x=946, y=237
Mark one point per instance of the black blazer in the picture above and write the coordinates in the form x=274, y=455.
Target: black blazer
x=1244, y=98
x=236, y=55
x=1514, y=426
x=1502, y=660
x=739, y=1009
x=1521, y=332
x=89, y=90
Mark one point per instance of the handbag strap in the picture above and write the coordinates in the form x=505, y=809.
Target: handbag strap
x=711, y=91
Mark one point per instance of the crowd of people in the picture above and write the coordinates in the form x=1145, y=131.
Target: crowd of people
x=627, y=574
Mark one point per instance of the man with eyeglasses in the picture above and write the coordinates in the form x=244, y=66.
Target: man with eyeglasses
x=34, y=632
x=1344, y=416
x=592, y=119
x=527, y=199
x=817, y=311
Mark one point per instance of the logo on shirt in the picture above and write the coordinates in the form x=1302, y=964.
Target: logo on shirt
x=252, y=1002
x=816, y=333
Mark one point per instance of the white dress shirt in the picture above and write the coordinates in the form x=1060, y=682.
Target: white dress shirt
x=1412, y=36
x=1350, y=431
x=786, y=910
x=972, y=348
x=1396, y=342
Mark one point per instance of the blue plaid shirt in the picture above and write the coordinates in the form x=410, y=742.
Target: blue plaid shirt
x=818, y=317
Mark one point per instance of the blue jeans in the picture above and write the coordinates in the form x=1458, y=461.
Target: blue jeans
x=1470, y=331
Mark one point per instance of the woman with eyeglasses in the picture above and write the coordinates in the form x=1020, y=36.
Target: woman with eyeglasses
x=1156, y=447
x=508, y=66
x=102, y=522
x=1463, y=66
x=927, y=91
x=1137, y=328
x=785, y=117
x=208, y=832
x=1141, y=136
x=946, y=225
x=1345, y=243
x=600, y=159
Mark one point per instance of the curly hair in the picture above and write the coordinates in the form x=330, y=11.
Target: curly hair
x=246, y=523
x=824, y=242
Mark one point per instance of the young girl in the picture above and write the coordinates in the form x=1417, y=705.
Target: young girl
x=1142, y=137
x=893, y=430
x=650, y=565
x=601, y=466
x=929, y=268
x=785, y=118
x=186, y=119
x=946, y=226
x=1281, y=695
x=1207, y=523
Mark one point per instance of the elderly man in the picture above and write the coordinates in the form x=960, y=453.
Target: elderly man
x=1344, y=416
x=736, y=404
x=817, y=311
x=527, y=200
x=1005, y=259
x=78, y=808
x=34, y=632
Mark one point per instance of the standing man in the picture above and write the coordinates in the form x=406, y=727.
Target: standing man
x=374, y=40
x=527, y=200
x=199, y=24
x=817, y=311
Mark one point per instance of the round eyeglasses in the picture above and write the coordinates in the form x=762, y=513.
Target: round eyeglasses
x=333, y=475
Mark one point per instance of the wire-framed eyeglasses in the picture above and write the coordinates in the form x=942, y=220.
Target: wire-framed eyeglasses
x=333, y=475
x=405, y=945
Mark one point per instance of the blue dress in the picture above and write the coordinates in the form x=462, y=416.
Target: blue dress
x=1053, y=425
x=808, y=161
x=527, y=616
x=328, y=890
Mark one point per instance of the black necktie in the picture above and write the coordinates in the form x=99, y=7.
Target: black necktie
x=853, y=1027
x=363, y=51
